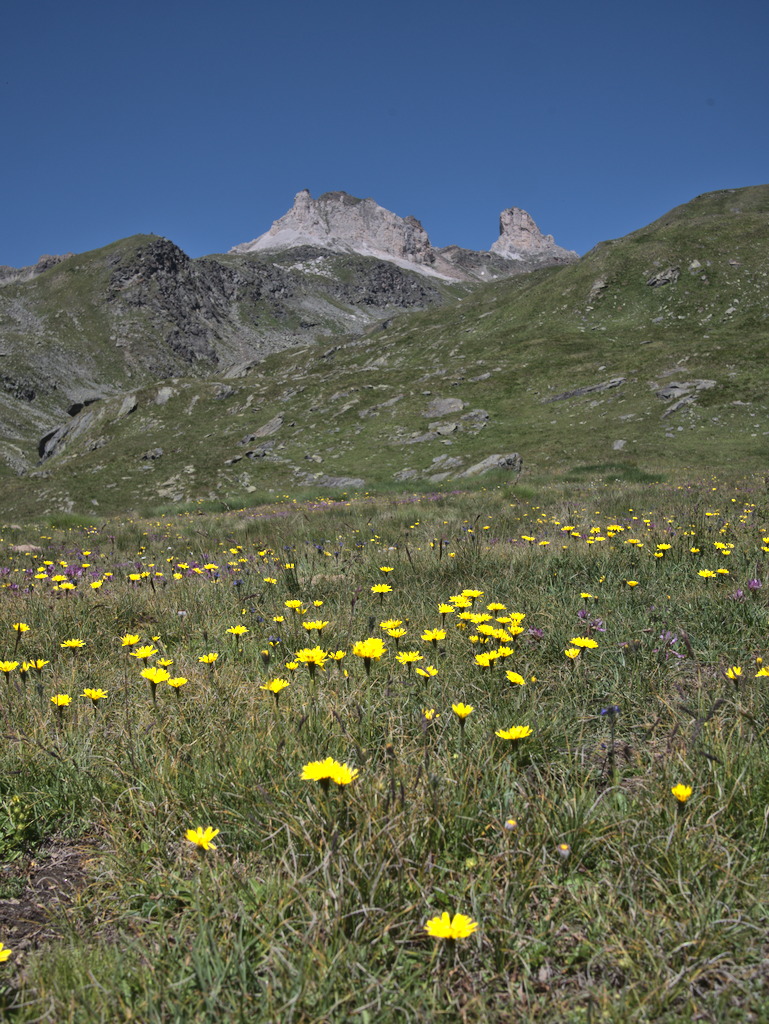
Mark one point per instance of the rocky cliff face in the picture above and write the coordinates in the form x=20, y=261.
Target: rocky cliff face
x=76, y=329
x=342, y=223
x=521, y=239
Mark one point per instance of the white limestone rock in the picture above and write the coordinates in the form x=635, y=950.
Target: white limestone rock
x=339, y=222
x=521, y=239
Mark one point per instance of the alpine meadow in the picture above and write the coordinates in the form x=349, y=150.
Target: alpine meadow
x=384, y=627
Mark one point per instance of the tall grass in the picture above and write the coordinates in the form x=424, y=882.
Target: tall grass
x=598, y=895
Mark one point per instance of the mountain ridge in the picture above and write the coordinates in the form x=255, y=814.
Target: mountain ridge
x=344, y=223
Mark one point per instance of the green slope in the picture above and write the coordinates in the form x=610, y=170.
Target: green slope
x=677, y=371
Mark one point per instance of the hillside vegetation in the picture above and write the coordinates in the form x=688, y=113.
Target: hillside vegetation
x=647, y=356
x=251, y=760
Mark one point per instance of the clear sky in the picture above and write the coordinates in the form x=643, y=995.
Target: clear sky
x=200, y=120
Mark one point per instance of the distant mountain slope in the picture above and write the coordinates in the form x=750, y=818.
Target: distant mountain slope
x=649, y=354
x=140, y=310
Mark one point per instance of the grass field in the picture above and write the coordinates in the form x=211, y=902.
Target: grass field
x=609, y=641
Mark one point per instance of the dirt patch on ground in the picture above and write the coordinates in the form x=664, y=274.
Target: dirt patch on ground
x=47, y=882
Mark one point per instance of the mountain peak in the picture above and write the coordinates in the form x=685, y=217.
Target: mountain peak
x=520, y=238
x=343, y=223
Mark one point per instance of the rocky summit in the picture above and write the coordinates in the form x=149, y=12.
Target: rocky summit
x=521, y=239
x=343, y=223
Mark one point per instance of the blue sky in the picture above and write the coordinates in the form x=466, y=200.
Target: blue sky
x=200, y=122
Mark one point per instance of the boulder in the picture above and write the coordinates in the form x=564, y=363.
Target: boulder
x=667, y=276
x=440, y=407
x=512, y=462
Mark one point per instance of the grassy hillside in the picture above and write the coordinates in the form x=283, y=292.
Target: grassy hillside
x=648, y=356
x=139, y=310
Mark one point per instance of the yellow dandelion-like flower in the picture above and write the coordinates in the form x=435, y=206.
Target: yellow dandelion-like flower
x=373, y=648
x=408, y=657
x=94, y=694
x=155, y=675
x=208, y=659
x=327, y=771
x=517, y=732
x=460, y=926
x=462, y=710
x=396, y=634
x=61, y=700
x=144, y=653
x=202, y=837
x=313, y=657
x=275, y=685
x=583, y=641
x=515, y=677
x=390, y=624
x=681, y=792
x=237, y=630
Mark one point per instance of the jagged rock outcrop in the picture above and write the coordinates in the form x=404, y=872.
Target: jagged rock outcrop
x=342, y=223
x=10, y=274
x=521, y=239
